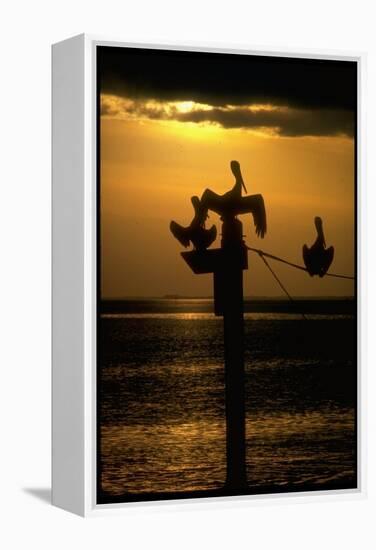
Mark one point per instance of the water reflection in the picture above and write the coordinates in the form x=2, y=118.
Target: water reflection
x=163, y=410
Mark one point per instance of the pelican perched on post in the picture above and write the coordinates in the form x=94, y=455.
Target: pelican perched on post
x=318, y=258
x=232, y=203
x=196, y=233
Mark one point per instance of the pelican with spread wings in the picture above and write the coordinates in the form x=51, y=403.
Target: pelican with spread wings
x=195, y=232
x=232, y=203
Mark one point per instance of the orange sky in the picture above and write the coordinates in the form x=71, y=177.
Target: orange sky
x=152, y=165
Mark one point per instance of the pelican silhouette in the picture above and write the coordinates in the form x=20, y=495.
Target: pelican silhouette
x=232, y=203
x=318, y=258
x=196, y=233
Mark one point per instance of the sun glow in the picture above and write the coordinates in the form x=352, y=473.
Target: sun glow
x=255, y=107
x=113, y=106
x=189, y=106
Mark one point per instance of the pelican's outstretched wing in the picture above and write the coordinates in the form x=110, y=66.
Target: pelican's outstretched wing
x=180, y=233
x=212, y=201
x=201, y=213
x=256, y=206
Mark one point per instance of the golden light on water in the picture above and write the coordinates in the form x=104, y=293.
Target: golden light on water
x=204, y=443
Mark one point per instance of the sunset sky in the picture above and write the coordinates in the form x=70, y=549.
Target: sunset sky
x=171, y=122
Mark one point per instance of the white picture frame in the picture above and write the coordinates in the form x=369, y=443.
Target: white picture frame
x=74, y=269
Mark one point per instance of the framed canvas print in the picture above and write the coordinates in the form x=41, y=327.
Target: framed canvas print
x=206, y=281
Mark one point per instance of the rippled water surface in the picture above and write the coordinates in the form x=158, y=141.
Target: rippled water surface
x=162, y=410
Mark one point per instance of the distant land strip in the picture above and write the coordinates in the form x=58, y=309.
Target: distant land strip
x=343, y=306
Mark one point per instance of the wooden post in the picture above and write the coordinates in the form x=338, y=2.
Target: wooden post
x=234, y=252
x=227, y=264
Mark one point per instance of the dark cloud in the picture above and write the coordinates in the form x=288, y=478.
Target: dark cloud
x=284, y=121
x=220, y=79
x=287, y=122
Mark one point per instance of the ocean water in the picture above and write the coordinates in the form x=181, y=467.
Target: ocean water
x=162, y=408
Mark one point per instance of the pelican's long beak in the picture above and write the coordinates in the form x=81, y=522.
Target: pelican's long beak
x=235, y=168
